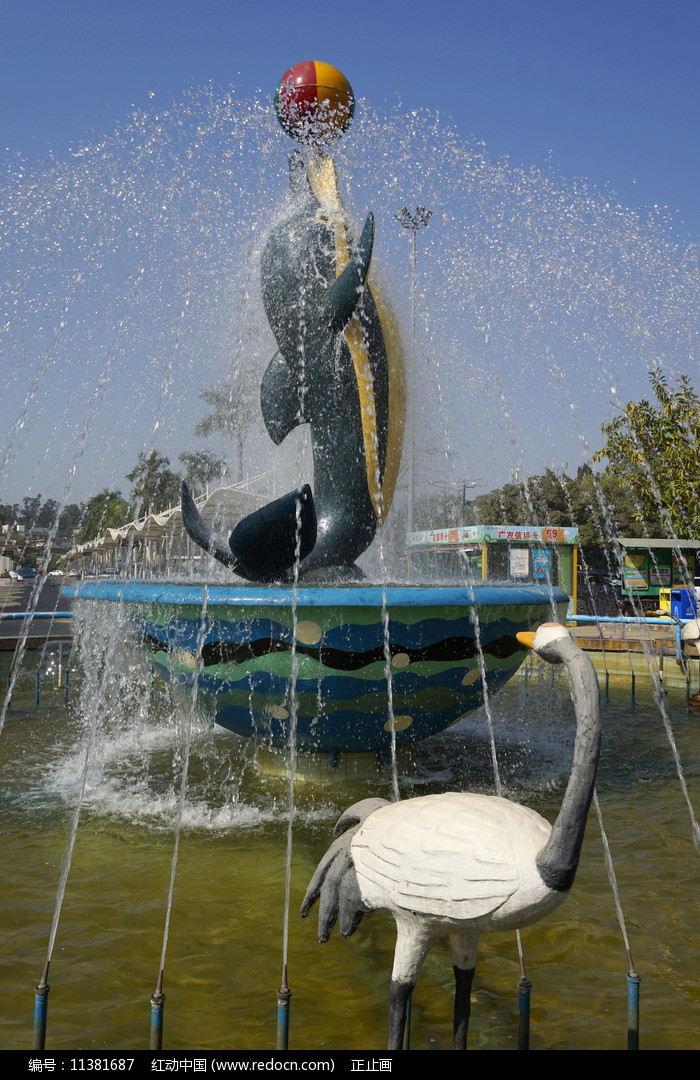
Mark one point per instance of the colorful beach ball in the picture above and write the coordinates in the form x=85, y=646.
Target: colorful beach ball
x=314, y=102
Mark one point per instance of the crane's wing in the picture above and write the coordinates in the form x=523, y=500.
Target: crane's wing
x=453, y=856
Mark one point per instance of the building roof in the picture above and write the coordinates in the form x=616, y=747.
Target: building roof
x=647, y=542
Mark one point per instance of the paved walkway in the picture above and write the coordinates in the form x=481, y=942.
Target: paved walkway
x=16, y=598
x=624, y=637
x=649, y=652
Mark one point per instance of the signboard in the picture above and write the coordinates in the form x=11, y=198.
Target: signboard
x=466, y=534
x=538, y=534
x=470, y=534
x=681, y=575
x=519, y=560
x=635, y=576
x=510, y=532
x=660, y=575
x=542, y=564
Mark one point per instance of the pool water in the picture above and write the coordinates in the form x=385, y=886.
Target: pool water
x=225, y=944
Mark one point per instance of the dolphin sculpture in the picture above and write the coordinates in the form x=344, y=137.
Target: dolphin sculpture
x=336, y=370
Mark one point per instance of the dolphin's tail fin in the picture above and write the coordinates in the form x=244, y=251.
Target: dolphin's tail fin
x=197, y=528
x=270, y=540
x=266, y=543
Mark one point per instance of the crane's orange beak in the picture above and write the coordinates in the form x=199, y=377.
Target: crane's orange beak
x=526, y=637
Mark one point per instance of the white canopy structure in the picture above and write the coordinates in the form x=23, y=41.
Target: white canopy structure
x=158, y=544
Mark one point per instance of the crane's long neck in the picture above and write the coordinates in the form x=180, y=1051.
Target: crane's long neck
x=558, y=860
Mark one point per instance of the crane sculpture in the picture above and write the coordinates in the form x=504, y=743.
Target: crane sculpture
x=458, y=865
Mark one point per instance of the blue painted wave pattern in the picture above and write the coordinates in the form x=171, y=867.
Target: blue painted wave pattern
x=245, y=664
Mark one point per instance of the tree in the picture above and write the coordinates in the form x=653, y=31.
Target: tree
x=598, y=504
x=32, y=513
x=70, y=519
x=200, y=467
x=231, y=415
x=654, y=449
x=107, y=510
x=155, y=486
x=602, y=508
x=539, y=500
x=29, y=511
x=49, y=513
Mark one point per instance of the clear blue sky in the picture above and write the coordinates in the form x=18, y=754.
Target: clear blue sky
x=608, y=91
x=610, y=87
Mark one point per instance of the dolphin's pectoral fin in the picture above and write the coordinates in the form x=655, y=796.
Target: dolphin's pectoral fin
x=199, y=531
x=280, y=400
x=343, y=296
x=269, y=541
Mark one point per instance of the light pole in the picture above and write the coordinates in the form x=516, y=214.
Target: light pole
x=414, y=222
x=466, y=484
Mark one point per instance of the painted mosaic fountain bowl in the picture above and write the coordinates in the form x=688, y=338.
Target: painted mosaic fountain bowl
x=352, y=662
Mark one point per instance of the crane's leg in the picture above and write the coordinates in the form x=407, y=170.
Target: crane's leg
x=400, y=995
x=413, y=939
x=464, y=961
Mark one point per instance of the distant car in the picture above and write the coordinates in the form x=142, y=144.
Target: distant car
x=56, y=573
x=27, y=573
x=14, y=575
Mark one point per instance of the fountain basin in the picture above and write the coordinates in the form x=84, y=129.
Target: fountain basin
x=255, y=650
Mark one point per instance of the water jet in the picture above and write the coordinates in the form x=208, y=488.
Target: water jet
x=354, y=668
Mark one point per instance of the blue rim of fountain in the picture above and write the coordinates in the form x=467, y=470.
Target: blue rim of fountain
x=314, y=595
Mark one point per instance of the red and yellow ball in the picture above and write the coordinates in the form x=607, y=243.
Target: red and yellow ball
x=314, y=102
